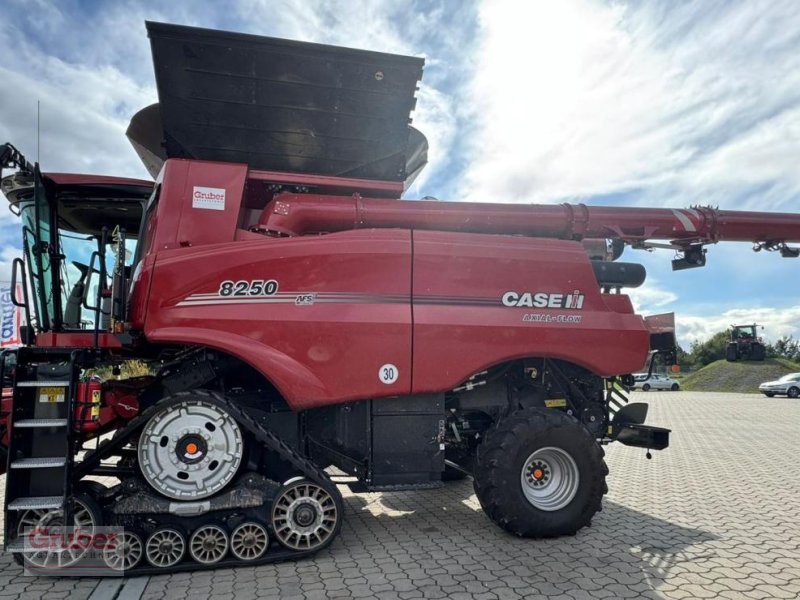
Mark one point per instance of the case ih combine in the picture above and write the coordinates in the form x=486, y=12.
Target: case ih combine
x=297, y=314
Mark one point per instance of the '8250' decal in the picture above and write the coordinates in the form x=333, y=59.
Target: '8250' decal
x=256, y=287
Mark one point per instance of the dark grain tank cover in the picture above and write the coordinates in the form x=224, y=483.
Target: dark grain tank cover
x=283, y=105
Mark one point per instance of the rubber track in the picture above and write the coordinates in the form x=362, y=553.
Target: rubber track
x=259, y=432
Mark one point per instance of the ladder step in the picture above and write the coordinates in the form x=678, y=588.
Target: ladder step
x=59, y=384
x=45, y=462
x=36, y=503
x=40, y=423
x=19, y=546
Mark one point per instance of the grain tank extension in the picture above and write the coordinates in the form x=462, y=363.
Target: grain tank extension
x=270, y=307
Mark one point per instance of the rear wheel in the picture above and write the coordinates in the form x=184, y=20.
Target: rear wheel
x=793, y=392
x=646, y=387
x=675, y=387
x=539, y=473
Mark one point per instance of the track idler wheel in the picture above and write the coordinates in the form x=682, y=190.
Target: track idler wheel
x=165, y=548
x=85, y=518
x=208, y=544
x=305, y=515
x=249, y=541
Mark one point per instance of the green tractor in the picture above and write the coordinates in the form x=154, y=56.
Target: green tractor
x=745, y=344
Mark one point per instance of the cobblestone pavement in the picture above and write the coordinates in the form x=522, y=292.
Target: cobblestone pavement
x=715, y=515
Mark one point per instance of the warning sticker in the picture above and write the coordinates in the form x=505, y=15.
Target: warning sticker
x=51, y=395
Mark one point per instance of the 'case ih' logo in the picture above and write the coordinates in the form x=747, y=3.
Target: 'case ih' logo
x=544, y=300
x=210, y=198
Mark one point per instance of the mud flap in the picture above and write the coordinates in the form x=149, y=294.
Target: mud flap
x=628, y=428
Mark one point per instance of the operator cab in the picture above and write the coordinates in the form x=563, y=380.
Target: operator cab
x=78, y=231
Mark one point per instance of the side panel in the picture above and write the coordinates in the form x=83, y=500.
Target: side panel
x=337, y=312
x=463, y=325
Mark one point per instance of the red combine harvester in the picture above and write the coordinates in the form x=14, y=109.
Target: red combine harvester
x=296, y=314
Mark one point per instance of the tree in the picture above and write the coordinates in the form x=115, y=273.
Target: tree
x=704, y=353
x=785, y=347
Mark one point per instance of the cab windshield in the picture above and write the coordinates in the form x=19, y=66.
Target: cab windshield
x=75, y=248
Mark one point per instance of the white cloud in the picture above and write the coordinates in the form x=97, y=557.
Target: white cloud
x=651, y=298
x=776, y=323
x=7, y=256
x=690, y=103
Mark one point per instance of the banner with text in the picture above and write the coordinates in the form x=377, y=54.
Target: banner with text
x=10, y=317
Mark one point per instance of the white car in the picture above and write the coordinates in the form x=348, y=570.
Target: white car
x=788, y=385
x=655, y=382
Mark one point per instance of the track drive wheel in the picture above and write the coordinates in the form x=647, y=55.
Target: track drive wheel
x=540, y=473
x=306, y=515
x=192, y=448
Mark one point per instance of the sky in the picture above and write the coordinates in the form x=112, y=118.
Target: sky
x=657, y=104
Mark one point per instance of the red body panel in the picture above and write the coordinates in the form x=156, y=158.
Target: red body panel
x=76, y=340
x=459, y=337
x=328, y=350
x=342, y=309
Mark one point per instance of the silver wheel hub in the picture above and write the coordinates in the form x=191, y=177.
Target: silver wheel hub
x=190, y=450
x=550, y=479
x=304, y=516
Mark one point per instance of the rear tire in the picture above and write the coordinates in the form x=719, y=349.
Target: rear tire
x=646, y=387
x=793, y=392
x=546, y=443
x=675, y=387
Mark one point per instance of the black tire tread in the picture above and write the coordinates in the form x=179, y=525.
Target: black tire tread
x=502, y=442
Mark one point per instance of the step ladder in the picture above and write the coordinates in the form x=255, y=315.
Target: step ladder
x=40, y=456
